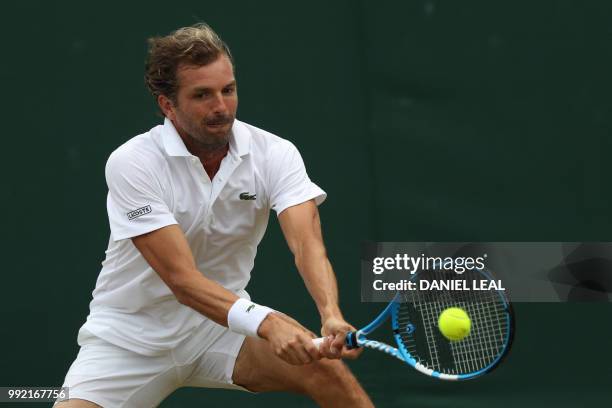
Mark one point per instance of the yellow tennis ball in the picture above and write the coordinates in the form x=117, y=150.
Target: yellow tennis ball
x=454, y=323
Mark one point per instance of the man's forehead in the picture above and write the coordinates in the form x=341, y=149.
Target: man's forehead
x=218, y=73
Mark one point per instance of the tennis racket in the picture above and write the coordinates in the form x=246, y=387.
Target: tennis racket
x=414, y=320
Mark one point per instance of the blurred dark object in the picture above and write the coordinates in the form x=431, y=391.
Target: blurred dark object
x=585, y=274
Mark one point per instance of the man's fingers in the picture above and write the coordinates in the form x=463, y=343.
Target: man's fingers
x=327, y=350
x=324, y=347
x=351, y=354
x=311, y=349
x=338, y=342
x=294, y=358
x=300, y=350
x=334, y=347
x=286, y=356
x=291, y=359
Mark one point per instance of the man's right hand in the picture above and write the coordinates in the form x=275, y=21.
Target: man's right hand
x=289, y=340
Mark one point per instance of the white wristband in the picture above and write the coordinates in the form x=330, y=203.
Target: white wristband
x=244, y=317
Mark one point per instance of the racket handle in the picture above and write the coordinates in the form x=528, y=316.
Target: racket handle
x=351, y=340
x=318, y=342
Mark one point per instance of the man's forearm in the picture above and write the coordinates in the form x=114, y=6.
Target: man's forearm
x=320, y=280
x=204, y=295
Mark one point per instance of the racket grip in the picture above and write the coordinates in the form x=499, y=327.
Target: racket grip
x=351, y=340
x=318, y=342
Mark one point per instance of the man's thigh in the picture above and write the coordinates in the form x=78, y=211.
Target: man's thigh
x=258, y=369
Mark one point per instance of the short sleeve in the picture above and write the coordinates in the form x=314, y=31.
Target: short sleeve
x=135, y=202
x=289, y=182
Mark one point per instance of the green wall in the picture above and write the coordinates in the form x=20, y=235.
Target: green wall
x=423, y=120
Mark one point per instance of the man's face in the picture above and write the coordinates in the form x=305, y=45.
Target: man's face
x=206, y=103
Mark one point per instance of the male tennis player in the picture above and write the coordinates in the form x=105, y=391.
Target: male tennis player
x=188, y=204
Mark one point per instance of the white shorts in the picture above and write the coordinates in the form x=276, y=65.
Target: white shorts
x=114, y=377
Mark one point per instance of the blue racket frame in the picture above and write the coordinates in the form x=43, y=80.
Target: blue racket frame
x=359, y=339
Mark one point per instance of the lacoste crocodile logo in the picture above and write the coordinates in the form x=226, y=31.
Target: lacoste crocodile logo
x=247, y=196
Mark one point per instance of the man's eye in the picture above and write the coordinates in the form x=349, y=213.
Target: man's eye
x=228, y=91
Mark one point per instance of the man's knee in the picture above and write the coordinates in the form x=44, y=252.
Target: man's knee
x=325, y=372
x=331, y=384
x=331, y=368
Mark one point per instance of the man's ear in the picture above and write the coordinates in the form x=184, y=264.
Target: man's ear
x=166, y=106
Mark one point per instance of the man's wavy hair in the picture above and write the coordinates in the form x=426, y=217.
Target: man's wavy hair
x=196, y=45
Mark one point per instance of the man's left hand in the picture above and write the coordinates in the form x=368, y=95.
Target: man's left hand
x=334, y=330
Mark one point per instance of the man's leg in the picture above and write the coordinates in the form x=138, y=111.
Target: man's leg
x=76, y=403
x=328, y=382
x=105, y=375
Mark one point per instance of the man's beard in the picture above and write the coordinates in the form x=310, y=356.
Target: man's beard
x=200, y=135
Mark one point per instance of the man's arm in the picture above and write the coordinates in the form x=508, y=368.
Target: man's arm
x=168, y=253
x=301, y=226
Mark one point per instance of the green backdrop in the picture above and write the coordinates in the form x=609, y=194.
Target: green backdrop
x=423, y=120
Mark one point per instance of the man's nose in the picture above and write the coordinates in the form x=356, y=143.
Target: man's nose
x=219, y=105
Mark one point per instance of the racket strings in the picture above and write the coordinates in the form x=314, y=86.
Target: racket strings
x=427, y=316
x=477, y=350
x=485, y=343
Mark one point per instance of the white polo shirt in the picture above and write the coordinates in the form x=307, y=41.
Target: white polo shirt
x=154, y=181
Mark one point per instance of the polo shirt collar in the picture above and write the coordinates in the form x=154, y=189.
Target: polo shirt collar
x=240, y=140
x=173, y=143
